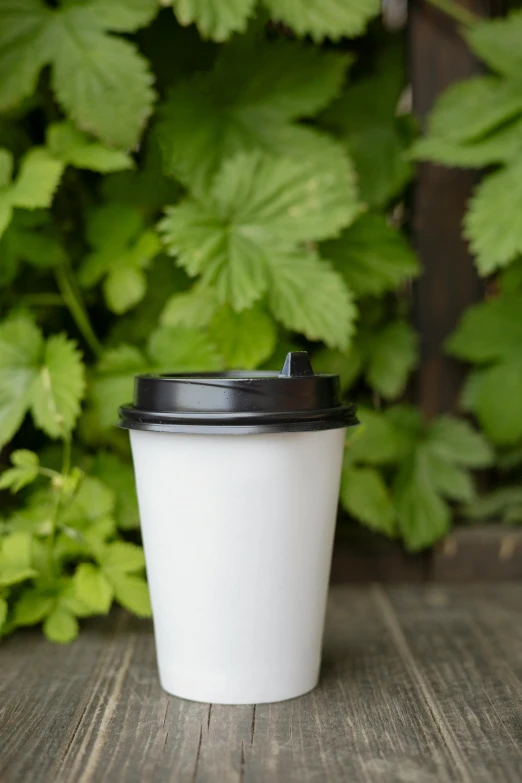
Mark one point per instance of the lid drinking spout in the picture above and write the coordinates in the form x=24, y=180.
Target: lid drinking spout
x=296, y=363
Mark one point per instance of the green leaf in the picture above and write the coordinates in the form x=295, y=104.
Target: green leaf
x=132, y=593
x=119, y=476
x=347, y=366
x=372, y=256
x=193, y=309
x=489, y=330
x=214, y=20
x=248, y=102
x=123, y=247
x=24, y=472
x=366, y=497
x=258, y=207
x=491, y=223
x=495, y=505
x=494, y=395
x=3, y=612
x=145, y=188
x=470, y=108
x=245, y=339
x=6, y=210
x=113, y=381
x=374, y=441
x=122, y=557
x=500, y=146
x=511, y=279
x=93, y=501
x=364, y=118
x=115, y=109
x=324, y=18
x=393, y=356
x=17, y=478
x=74, y=148
x=25, y=458
x=26, y=43
x=447, y=479
x=15, y=559
x=30, y=238
x=308, y=296
x=21, y=347
x=204, y=245
x=68, y=600
x=456, y=441
x=58, y=388
x=422, y=516
x=61, y=626
x=92, y=588
x=39, y=176
x=497, y=42
x=290, y=200
x=99, y=79
x=123, y=288
x=175, y=349
x=6, y=167
x=124, y=16
x=33, y=606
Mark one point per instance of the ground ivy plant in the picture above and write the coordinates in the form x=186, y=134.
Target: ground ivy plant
x=189, y=186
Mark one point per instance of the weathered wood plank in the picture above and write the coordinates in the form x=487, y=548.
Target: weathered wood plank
x=130, y=729
x=463, y=652
x=365, y=722
x=418, y=685
x=42, y=689
x=486, y=553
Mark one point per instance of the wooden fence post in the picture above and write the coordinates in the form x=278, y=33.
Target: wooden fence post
x=449, y=282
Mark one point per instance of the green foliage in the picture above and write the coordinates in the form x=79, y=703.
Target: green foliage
x=246, y=239
x=256, y=211
x=76, y=40
x=490, y=336
x=372, y=257
x=365, y=119
x=503, y=504
x=44, y=376
x=250, y=100
x=478, y=122
x=423, y=467
x=332, y=19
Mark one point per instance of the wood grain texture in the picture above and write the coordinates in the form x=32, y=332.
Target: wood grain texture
x=449, y=283
x=419, y=685
x=467, y=670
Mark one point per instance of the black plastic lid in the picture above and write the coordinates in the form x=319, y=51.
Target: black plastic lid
x=294, y=400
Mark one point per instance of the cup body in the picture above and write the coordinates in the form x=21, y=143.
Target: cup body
x=238, y=533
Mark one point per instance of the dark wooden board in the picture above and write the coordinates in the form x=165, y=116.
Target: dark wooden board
x=419, y=684
x=470, y=553
x=487, y=553
x=448, y=283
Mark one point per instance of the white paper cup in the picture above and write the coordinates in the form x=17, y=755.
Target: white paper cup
x=238, y=531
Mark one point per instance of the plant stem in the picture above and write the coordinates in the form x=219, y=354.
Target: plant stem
x=456, y=11
x=66, y=461
x=66, y=467
x=73, y=299
x=48, y=472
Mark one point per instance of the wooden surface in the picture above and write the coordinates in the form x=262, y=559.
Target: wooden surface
x=449, y=283
x=470, y=553
x=419, y=685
